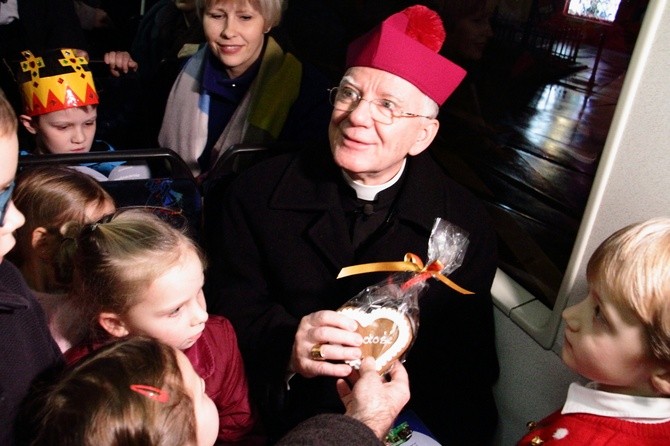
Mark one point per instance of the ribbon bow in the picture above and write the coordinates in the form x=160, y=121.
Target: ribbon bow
x=411, y=263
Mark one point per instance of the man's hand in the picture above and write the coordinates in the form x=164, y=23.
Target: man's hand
x=323, y=341
x=120, y=62
x=373, y=399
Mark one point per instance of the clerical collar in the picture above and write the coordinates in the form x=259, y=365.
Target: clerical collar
x=368, y=193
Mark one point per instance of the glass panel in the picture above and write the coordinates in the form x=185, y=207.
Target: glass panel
x=526, y=129
x=604, y=10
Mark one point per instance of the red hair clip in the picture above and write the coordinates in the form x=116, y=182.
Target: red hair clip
x=152, y=392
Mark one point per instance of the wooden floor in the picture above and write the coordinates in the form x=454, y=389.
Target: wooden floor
x=536, y=169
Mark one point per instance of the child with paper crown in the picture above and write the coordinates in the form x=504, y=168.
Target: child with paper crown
x=60, y=106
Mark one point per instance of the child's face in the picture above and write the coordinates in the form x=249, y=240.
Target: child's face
x=609, y=346
x=172, y=309
x=206, y=414
x=65, y=131
x=13, y=219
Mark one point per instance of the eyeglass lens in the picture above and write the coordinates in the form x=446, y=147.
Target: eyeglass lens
x=345, y=99
x=5, y=198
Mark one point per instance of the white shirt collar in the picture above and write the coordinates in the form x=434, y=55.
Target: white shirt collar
x=368, y=193
x=640, y=409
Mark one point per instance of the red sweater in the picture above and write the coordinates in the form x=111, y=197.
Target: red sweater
x=216, y=358
x=578, y=429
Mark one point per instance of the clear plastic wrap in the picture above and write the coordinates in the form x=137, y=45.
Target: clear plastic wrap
x=388, y=312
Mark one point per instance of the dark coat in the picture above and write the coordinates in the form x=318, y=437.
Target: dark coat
x=50, y=24
x=330, y=430
x=26, y=346
x=284, y=240
x=42, y=25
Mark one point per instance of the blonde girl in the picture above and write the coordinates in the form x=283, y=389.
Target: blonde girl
x=135, y=273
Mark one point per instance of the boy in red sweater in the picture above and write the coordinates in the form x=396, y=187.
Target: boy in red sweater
x=618, y=337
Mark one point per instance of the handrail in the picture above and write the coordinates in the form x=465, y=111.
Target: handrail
x=177, y=166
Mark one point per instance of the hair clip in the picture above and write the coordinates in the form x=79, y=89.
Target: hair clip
x=152, y=392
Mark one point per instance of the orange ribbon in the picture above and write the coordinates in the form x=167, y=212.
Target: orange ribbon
x=412, y=263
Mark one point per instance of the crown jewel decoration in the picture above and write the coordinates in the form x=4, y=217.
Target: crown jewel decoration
x=58, y=80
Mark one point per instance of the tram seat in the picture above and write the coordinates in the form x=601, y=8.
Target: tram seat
x=231, y=163
x=170, y=183
x=238, y=158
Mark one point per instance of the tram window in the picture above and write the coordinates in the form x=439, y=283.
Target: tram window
x=601, y=10
x=526, y=130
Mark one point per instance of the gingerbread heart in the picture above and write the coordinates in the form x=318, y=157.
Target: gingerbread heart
x=387, y=334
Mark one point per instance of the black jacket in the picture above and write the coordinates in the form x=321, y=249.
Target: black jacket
x=48, y=24
x=26, y=346
x=284, y=238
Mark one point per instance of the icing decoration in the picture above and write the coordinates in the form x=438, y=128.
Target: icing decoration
x=387, y=334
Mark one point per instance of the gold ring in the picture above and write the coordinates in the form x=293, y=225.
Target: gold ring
x=316, y=353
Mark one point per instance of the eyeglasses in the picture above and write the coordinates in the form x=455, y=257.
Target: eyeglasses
x=381, y=110
x=5, y=198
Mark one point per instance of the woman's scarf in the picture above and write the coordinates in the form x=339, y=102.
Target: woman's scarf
x=259, y=118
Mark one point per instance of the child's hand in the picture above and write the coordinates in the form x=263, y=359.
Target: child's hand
x=120, y=62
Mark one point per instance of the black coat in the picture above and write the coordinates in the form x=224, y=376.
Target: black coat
x=26, y=347
x=48, y=24
x=284, y=240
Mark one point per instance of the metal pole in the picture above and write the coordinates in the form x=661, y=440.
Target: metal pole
x=592, y=80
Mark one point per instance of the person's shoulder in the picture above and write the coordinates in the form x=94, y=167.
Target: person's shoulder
x=264, y=174
x=427, y=163
x=218, y=323
x=14, y=291
x=330, y=429
x=588, y=428
x=307, y=160
x=431, y=172
x=450, y=199
x=218, y=343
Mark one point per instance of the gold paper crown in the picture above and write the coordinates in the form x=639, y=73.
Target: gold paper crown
x=58, y=80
